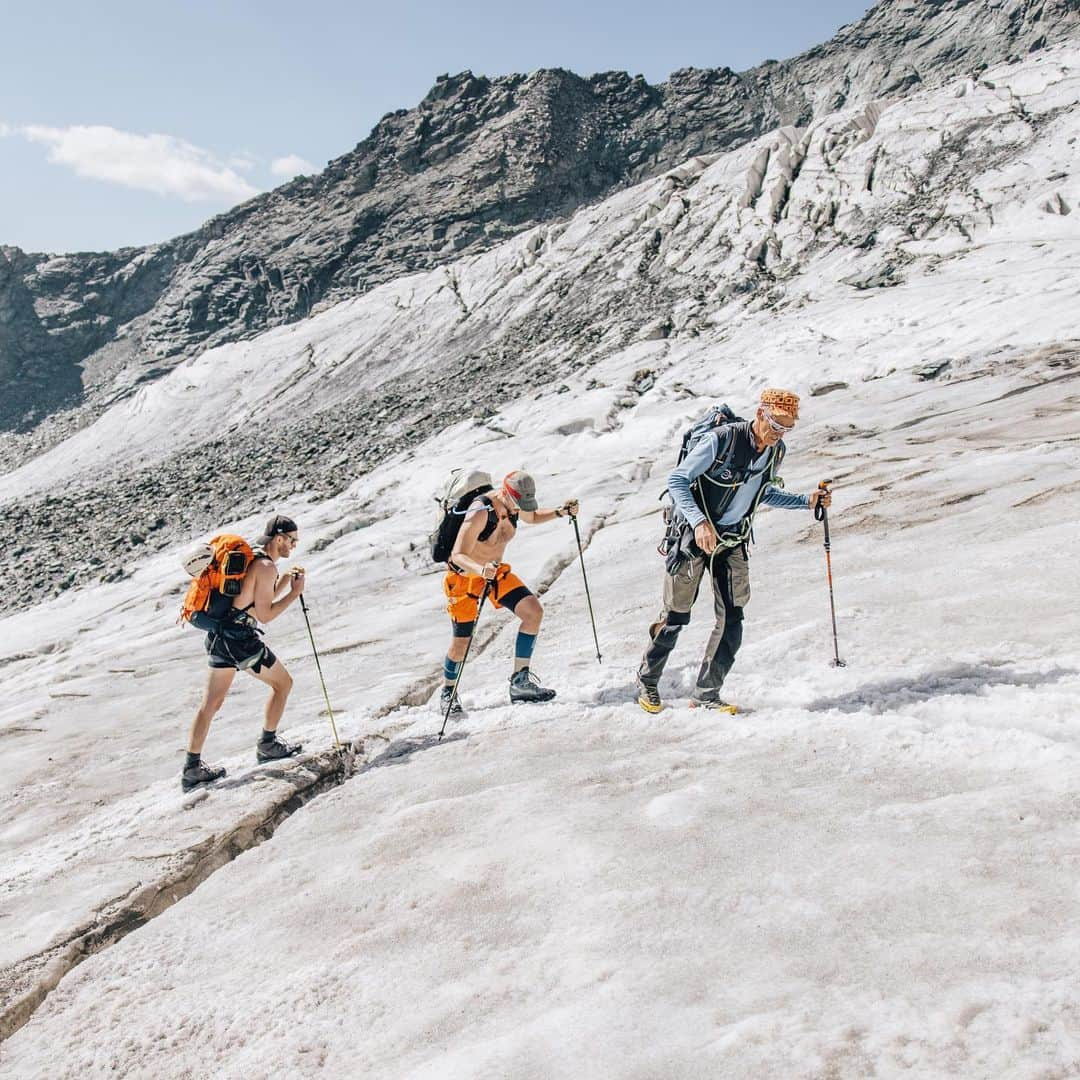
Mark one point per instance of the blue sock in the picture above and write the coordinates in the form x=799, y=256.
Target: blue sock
x=450, y=670
x=523, y=649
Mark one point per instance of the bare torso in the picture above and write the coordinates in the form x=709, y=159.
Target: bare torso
x=493, y=547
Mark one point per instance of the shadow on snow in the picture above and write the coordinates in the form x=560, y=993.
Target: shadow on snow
x=964, y=679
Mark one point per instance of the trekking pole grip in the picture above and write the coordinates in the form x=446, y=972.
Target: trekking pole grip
x=823, y=489
x=821, y=513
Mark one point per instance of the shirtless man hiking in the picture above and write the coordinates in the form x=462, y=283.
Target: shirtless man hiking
x=237, y=645
x=475, y=564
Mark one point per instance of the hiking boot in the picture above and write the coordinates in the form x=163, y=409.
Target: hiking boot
x=525, y=686
x=714, y=705
x=200, y=773
x=648, y=697
x=448, y=697
x=276, y=749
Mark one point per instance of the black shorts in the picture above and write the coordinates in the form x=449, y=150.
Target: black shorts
x=238, y=644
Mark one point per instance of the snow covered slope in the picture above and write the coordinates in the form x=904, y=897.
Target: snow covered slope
x=871, y=871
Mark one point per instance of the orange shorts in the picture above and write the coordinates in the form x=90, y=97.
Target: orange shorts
x=463, y=592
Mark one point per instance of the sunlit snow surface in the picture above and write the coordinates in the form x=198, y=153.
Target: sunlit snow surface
x=871, y=871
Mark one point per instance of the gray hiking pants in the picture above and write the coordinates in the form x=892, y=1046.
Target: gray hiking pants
x=731, y=593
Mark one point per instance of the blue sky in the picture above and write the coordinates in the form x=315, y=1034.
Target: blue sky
x=127, y=123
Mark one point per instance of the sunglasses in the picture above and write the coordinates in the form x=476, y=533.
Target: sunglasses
x=779, y=428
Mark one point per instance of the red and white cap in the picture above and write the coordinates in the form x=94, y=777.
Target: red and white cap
x=521, y=487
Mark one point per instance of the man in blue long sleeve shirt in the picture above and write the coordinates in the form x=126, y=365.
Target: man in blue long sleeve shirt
x=715, y=491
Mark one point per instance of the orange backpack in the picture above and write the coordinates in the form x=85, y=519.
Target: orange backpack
x=218, y=569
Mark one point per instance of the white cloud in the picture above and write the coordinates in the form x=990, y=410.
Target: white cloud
x=243, y=161
x=292, y=165
x=159, y=163
x=6, y=129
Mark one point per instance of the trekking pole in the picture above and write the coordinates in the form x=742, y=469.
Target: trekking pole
x=822, y=514
x=468, y=647
x=584, y=576
x=318, y=666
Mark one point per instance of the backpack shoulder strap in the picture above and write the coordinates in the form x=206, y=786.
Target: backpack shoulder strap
x=779, y=450
x=726, y=449
x=492, y=518
x=727, y=438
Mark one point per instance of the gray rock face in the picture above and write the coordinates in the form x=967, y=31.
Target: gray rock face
x=837, y=214
x=476, y=161
x=29, y=356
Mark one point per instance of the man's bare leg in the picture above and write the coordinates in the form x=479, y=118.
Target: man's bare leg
x=196, y=771
x=269, y=746
x=458, y=647
x=217, y=686
x=280, y=682
x=455, y=657
x=531, y=613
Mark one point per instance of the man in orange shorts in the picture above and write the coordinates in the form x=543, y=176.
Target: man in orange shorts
x=490, y=524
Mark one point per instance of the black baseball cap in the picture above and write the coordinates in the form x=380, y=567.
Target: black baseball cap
x=277, y=525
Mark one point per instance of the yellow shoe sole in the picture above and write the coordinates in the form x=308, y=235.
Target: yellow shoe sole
x=649, y=708
x=715, y=706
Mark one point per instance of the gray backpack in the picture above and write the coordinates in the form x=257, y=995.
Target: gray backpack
x=462, y=488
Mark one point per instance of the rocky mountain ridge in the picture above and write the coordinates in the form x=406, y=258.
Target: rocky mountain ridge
x=867, y=202
x=478, y=161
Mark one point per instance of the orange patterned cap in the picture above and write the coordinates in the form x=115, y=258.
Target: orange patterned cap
x=781, y=401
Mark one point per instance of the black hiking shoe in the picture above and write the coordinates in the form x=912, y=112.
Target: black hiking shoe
x=448, y=697
x=276, y=749
x=200, y=773
x=525, y=686
x=648, y=697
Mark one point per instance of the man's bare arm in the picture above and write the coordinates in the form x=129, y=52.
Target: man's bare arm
x=267, y=607
x=538, y=517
